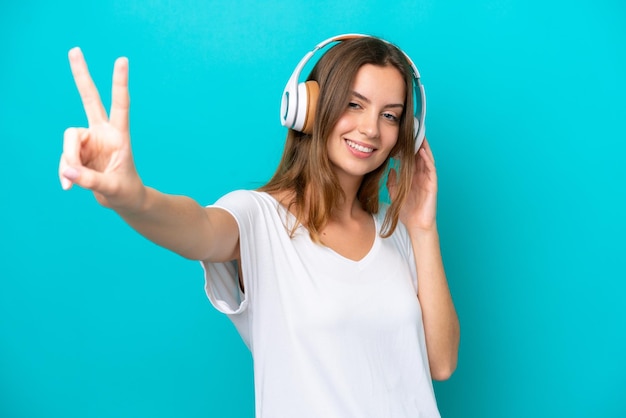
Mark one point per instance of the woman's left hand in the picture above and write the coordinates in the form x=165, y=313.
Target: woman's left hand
x=419, y=211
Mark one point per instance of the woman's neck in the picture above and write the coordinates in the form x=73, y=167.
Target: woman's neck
x=349, y=207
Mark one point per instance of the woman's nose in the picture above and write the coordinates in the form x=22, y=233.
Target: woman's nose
x=368, y=125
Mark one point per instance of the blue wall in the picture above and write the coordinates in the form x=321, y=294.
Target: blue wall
x=526, y=114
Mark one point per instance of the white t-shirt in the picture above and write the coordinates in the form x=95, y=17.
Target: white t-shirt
x=330, y=337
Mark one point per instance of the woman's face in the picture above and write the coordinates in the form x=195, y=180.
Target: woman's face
x=368, y=129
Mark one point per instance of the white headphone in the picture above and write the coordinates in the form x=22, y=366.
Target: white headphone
x=297, y=110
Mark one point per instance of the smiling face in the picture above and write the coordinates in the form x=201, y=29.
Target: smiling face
x=367, y=131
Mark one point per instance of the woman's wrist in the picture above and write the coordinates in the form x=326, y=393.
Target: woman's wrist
x=139, y=202
x=422, y=232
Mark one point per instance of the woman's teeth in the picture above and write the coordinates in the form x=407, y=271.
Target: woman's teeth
x=359, y=147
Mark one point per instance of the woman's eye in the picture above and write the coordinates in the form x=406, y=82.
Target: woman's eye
x=353, y=105
x=390, y=117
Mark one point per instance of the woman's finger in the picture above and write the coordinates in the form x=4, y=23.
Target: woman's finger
x=88, y=179
x=66, y=183
x=429, y=162
x=72, y=143
x=429, y=150
x=70, y=159
x=120, y=99
x=86, y=88
x=84, y=177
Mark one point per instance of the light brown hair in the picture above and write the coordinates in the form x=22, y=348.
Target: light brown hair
x=305, y=170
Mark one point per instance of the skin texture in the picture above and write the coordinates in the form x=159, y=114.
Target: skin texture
x=99, y=158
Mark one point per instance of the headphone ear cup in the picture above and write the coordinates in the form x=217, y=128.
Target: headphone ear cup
x=308, y=93
x=289, y=105
x=313, y=92
x=418, y=134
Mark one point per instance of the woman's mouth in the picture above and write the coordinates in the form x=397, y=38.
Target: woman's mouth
x=359, y=147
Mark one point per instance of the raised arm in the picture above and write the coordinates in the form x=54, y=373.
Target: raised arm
x=441, y=324
x=99, y=158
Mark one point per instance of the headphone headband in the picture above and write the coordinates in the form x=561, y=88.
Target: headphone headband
x=300, y=99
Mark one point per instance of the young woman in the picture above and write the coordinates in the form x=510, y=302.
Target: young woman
x=342, y=300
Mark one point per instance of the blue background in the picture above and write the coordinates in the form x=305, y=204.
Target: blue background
x=526, y=113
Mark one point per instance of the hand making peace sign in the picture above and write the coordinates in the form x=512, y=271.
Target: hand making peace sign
x=99, y=157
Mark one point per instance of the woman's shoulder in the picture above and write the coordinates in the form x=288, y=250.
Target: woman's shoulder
x=252, y=202
x=244, y=195
x=244, y=200
x=399, y=233
x=255, y=209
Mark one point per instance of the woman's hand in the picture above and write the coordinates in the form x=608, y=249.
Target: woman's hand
x=441, y=324
x=420, y=208
x=99, y=157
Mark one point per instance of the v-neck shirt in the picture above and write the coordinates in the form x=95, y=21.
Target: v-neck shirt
x=329, y=336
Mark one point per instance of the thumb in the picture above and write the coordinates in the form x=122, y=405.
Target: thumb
x=85, y=178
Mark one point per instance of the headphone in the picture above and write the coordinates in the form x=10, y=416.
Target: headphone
x=298, y=107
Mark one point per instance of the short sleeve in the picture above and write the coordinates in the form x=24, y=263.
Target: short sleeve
x=222, y=279
x=222, y=287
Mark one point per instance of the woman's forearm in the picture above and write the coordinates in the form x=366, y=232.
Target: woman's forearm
x=441, y=323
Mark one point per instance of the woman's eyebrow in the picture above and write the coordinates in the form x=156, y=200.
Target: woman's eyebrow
x=366, y=100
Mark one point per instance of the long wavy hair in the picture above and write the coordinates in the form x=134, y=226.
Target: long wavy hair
x=305, y=171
